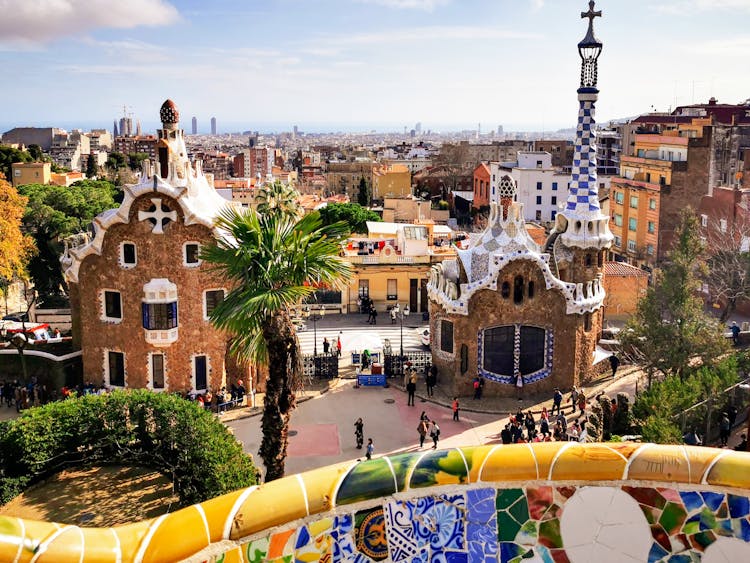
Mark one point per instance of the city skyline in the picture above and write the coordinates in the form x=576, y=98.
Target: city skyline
x=369, y=64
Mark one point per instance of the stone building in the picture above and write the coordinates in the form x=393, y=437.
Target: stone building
x=140, y=294
x=524, y=317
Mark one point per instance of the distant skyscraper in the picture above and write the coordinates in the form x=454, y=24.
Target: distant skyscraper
x=499, y=129
x=114, y=129
x=138, y=128
x=418, y=127
x=195, y=125
x=295, y=132
x=126, y=126
x=213, y=126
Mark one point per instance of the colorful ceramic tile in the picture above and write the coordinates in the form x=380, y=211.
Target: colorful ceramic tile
x=539, y=499
x=647, y=496
x=255, y=551
x=367, y=480
x=440, y=467
x=481, y=525
x=738, y=506
x=314, y=542
x=672, y=517
x=370, y=535
x=281, y=544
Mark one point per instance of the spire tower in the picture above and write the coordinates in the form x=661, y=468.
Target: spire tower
x=582, y=223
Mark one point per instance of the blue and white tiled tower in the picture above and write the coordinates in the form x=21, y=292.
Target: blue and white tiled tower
x=582, y=224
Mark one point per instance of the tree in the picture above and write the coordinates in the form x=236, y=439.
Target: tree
x=91, y=168
x=15, y=246
x=364, y=196
x=277, y=197
x=670, y=330
x=135, y=159
x=728, y=272
x=9, y=155
x=54, y=212
x=273, y=260
x=35, y=151
x=352, y=214
x=116, y=160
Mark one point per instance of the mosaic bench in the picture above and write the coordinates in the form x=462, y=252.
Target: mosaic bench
x=546, y=502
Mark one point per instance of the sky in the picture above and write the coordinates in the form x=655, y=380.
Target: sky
x=330, y=65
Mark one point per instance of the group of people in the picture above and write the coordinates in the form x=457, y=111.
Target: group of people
x=577, y=400
x=223, y=398
x=425, y=427
x=523, y=427
x=16, y=394
x=359, y=435
x=327, y=349
x=411, y=378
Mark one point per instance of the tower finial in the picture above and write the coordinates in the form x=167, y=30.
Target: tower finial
x=591, y=14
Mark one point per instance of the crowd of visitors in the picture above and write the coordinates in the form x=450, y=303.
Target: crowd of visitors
x=16, y=394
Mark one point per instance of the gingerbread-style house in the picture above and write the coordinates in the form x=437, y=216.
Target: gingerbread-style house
x=527, y=318
x=140, y=294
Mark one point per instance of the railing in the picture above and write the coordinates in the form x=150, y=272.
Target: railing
x=394, y=364
x=324, y=366
x=393, y=259
x=706, y=415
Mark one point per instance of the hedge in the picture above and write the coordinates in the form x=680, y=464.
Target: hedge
x=139, y=427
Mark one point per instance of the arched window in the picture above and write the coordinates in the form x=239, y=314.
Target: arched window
x=588, y=260
x=509, y=351
x=530, y=290
x=518, y=287
x=505, y=290
x=600, y=259
x=499, y=350
x=587, y=322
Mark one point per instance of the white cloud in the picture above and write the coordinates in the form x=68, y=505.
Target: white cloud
x=30, y=22
x=687, y=7
x=427, y=33
x=730, y=46
x=426, y=5
x=537, y=5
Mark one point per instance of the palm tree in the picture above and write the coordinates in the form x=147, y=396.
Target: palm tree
x=277, y=197
x=273, y=261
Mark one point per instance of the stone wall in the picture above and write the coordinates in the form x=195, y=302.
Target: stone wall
x=158, y=256
x=546, y=502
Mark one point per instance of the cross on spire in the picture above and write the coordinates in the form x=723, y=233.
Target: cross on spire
x=591, y=14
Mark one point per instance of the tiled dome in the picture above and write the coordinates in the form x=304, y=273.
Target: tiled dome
x=169, y=112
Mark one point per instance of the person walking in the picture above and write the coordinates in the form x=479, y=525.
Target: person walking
x=454, y=406
x=422, y=429
x=326, y=346
x=338, y=344
x=614, y=363
x=370, y=448
x=359, y=431
x=574, y=398
x=435, y=434
x=581, y=403
x=556, y=402
x=411, y=389
x=477, y=392
x=431, y=380
x=725, y=429
x=735, y=333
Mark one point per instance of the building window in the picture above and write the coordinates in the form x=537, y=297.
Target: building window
x=128, y=258
x=618, y=220
x=364, y=289
x=632, y=224
x=650, y=249
x=553, y=214
x=554, y=186
x=652, y=204
x=112, y=305
x=212, y=299
x=518, y=287
x=619, y=197
x=704, y=220
x=618, y=242
x=505, y=290
x=634, y=201
x=539, y=200
x=631, y=245
x=159, y=316
x=538, y=185
x=587, y=322
x=651, y=227
x=116, y=369
x=498, y=350
x=554, y=200
x=392, y=292
x=200, y=373
x=157, y=371
x=531, y=290
x=191, y=254
x=446, y=336
x=723, y=225
x=502, y=356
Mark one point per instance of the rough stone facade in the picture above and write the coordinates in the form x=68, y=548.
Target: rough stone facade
x=573, y=345
x=158, y=256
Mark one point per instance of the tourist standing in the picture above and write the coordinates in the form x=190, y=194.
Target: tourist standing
x=556, y=401
x=326, y=346
x=338, y=344
x=422, y=428
x=370, y=448
x=411, y=389
x=359, y=431
x=454, y=406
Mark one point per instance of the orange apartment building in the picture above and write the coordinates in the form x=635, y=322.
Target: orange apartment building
x=481, y=183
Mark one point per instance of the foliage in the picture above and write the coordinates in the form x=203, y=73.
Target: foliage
x=15, y=247
x=116, y=160
x=352, y=214
x=35, y=151
x=54, y=212
x=9, y=155
x=139, y=427
x=728, y=272
x=670, y=329
x=442, y=205
x=606, y=413
x=655, y=409
x=91, y=168
x=622, y=417
x=135, y=159
x=273, y=261
x=277, y=197
x=364, y=195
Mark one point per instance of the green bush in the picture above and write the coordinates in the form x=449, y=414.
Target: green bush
x=138, y=427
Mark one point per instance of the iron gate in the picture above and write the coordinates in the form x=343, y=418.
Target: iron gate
x=324, y=366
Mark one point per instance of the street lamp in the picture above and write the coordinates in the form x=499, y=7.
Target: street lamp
x=402, y=315
x=315, y=317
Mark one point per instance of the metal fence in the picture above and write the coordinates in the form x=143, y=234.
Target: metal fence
x=705, y=416
x=394, y=364
x=323, y=366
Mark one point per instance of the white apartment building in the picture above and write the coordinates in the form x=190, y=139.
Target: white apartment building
x=542, y=189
